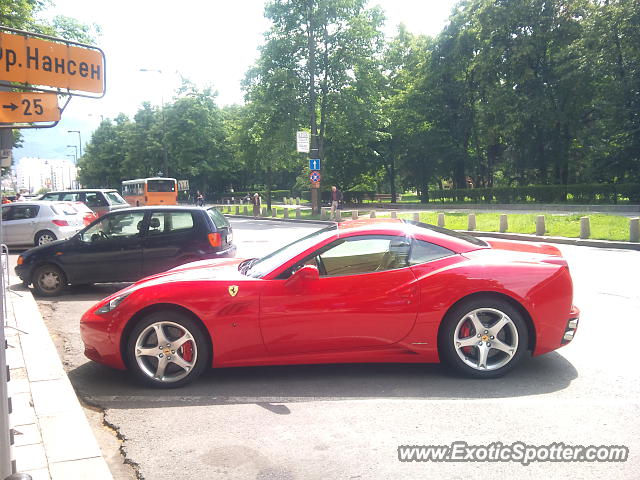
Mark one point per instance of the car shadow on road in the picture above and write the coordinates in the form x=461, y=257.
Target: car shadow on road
x=109, y=388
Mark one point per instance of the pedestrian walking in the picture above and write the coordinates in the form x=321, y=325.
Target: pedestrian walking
x=199, y=199
x=256, y=201
x=336, y=198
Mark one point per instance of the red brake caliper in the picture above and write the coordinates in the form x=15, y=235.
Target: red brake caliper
x=187, y=351
x=465, y=332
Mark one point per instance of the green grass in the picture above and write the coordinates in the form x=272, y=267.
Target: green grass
x=603, y=227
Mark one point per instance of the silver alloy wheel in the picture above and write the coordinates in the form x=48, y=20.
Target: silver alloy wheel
x=49, y=281
x=45, y=238
x=160, y=351
x=486, y=339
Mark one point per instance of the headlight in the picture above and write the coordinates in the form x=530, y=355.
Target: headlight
x=112, y=304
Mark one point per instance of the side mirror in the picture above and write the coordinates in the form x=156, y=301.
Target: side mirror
x=307, y=273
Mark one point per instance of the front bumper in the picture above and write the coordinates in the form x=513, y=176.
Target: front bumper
x=96, y=334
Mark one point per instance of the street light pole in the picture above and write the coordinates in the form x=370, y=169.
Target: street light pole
x=75, y=162
x=164, y=132
x=79, y=139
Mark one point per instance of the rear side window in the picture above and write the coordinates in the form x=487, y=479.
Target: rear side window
x=170, y=222
x=218, y=219
x=423, y=252
x=67, y=197
x=161, y=185
x=52, y=196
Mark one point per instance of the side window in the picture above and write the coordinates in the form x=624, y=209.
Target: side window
x=93, y=199
x=422, y=252
x=363, y=254
x=22, y=213
x=170, y=222
x=7, y=213
x=120, y=226
x=68, y=197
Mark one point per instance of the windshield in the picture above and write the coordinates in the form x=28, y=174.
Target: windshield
x=260, y=267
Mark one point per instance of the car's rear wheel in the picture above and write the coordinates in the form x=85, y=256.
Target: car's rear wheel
x=167, y=349
x=48, y=281
x=44, y=237
x=483, y=337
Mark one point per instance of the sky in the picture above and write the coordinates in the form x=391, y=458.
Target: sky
x=209, y=42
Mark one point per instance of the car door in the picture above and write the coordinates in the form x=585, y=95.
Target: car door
x=366, y=297
x=20, y=224
x=109, y=251
x=170, y=237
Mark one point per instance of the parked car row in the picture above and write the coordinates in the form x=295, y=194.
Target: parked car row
x=126, y=245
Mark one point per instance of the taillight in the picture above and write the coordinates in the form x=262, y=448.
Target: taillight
x=61, y=223
x=20, y=260
x=215, y=239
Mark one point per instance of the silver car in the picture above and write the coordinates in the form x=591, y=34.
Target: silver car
x=39, y=222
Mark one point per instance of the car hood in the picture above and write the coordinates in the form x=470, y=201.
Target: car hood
x=225, y=269
x=46, y=249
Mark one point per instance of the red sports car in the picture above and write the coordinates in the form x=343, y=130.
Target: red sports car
x=360, y=291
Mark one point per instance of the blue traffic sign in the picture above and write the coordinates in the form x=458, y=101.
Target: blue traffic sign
x=314, y=164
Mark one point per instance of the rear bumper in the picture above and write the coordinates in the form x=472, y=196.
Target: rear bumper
x=559, y=334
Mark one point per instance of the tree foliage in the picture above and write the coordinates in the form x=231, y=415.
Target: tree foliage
x=510, y=93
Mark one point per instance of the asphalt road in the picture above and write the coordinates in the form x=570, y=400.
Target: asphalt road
x=346, y=421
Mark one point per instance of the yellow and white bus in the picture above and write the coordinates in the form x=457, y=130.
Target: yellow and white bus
x=150, y=191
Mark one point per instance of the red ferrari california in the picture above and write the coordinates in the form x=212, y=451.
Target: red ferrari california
x=360, y=291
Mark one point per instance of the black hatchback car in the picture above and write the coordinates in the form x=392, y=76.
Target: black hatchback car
x=127, y=245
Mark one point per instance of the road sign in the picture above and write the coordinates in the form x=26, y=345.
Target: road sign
x=26, y=59
x=303, y=141
x=314, y=164
x=28, y=107
x=183, y=185
x=314, y=177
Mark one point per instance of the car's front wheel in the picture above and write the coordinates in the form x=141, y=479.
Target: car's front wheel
x=483, y=337
x=48, y=281
x=167, y=349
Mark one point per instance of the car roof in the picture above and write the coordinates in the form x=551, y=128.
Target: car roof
x=40, y=203
x=83, y=190
x=160, y=207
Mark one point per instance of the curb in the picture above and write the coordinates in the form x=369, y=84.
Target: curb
x=505, y=236
x=53, y=436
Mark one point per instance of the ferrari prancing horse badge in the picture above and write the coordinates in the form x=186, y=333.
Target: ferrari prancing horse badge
x=233, y=290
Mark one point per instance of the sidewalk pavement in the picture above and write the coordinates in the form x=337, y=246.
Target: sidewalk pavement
x=52, y=437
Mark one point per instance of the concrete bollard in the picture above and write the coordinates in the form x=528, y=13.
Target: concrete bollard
x=297, y=200
x=634, y=229
x=338, y=215
x=284, y=200
x=541, y=228
x=441, y=219
x=298, y=213
x=237, y=209
x=585, y=227
x=245, y=211
x=286, y=213
x=354, y=214
x=394, y=214
x=504, y=223
x=471, y=222
x=416, y=216
x=263, y=212
x=274, y=212
x=373, y=214
x=325, y=213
